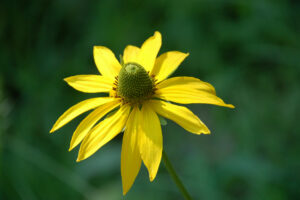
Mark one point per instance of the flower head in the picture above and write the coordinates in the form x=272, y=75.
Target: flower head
x=139, y=90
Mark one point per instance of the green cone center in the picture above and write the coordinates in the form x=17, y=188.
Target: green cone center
x=134, y=83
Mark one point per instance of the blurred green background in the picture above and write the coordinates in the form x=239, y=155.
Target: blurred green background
x=249, y=50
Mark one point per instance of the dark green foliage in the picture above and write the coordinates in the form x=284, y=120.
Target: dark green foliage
x=249, y=50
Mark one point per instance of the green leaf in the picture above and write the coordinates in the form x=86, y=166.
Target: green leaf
x=162, y=120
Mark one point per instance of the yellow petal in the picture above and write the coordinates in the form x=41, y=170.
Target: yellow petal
x=90, y=83
x=186, y=82
x=102, y=133
x=181, y=115
x=149, y=51
x=130, y=156
x=106, y=62
x=85, y=125
x=131, y=54
x=150, y=140
x=189, y=95
x=78, y=109
x=167, y=63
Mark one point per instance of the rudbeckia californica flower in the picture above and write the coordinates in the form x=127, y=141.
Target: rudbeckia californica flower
x=139, y=91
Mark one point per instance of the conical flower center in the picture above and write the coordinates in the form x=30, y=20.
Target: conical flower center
x=134, y=83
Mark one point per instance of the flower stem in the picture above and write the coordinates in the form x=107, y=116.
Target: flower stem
x=175, y=177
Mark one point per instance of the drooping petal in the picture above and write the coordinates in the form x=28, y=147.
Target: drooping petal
x=189, y=95
x=149, y=51
x=131, y=54
x=78, y=109
x=181, y=115
x=85, y=125
x=130, y=155
x=102, y=133
x=186, y=82
x=167, y=63
x=150, y=140
x=106, y=62
x=90, y=83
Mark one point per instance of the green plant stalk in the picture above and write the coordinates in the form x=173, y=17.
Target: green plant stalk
x=174, y=176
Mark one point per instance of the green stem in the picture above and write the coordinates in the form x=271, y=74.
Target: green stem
x=175, y=177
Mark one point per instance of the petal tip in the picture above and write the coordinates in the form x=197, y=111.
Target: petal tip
x=230, y=106
x=157, y=33
x=53, y=129
x=96, y=48
x=205, y=132
x=151, y=178
x=67, y=79
x=70, y=148
x=80, y=157
x=125, y=190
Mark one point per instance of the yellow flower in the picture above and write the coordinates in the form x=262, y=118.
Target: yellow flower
x=139, y=90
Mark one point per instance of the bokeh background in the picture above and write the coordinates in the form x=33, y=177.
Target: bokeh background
x=249, y=50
